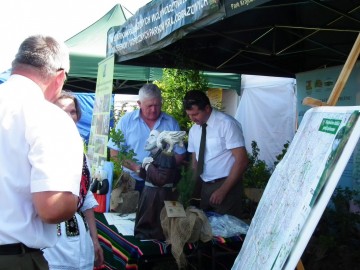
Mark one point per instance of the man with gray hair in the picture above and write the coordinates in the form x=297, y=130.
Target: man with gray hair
x=136, y=127
x=41, y=154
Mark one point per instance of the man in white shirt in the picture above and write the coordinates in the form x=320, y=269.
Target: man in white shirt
x=41, y=154
x=225, y=158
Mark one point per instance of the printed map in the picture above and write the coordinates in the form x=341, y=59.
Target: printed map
x=295, y=187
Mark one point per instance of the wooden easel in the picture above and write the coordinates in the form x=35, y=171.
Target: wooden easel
x=341, y=81
x=336, y=92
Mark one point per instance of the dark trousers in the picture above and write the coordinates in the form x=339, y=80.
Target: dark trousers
x=26, y=261
x=231, y=205
x=139, y=186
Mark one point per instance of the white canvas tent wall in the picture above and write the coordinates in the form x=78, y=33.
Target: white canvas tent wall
x=267, y=113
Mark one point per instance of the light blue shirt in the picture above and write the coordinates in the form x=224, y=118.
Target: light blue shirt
x=136, y=132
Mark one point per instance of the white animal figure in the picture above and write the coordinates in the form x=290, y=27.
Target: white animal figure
x=157, y=139
x=151, y=141
x=171, y=138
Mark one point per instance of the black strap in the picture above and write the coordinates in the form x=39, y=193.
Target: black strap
x=16, y=249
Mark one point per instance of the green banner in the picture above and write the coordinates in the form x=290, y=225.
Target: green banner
x=160, y=23
x=329, y=125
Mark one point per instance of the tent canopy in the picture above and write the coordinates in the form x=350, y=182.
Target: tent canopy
x=88, y=48
x=272, y=38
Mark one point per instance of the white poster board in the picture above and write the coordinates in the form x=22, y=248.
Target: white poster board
x=300, y=189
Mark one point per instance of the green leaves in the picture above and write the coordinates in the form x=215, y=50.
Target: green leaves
x=186, y=186
x=174, y=85
x=125, y=153
x=258, y=173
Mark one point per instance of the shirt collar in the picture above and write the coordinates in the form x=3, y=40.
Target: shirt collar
x=137, y=115
x=211, y=121
x=30, y=84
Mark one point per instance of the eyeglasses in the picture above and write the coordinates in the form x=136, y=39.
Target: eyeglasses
x=66, y=74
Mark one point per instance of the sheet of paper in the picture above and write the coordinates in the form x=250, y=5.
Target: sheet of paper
x=126, y=227
x=174, y=209
x=124, y=223
x=116, y=218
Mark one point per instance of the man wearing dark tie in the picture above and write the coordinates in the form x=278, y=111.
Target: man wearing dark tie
x=219, y=160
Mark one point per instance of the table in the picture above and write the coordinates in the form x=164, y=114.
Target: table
x=127, y=252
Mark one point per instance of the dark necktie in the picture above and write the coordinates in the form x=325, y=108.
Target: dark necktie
x=200, y=163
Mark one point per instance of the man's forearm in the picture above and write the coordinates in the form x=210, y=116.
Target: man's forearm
x=55, y=207
x=131, y=165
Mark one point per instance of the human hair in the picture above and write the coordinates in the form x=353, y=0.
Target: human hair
x=149, y=91
x=68, y=94
x=43, y=53
x=197, y=98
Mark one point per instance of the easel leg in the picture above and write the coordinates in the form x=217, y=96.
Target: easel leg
x=300, y=266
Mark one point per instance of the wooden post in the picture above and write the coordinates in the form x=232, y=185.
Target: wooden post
x=313, y=102
x=300, y=266
x=342, y=79
x=345, y=72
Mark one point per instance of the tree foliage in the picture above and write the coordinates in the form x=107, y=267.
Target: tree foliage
x=174, y=85
x=124, y=153
x=258, y=173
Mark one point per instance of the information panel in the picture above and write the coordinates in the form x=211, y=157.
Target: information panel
x=97, y=147
x=300, y=189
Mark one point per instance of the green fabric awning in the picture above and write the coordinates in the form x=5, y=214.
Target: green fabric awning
x=88, y=49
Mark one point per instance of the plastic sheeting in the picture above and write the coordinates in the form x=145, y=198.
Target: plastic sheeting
x=86, y=101
x=267, y=113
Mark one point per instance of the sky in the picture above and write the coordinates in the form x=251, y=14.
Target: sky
x=60, y=19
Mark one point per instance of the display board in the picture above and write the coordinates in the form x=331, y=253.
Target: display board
x=97, y=147
x=300, y=189
x=318, y=84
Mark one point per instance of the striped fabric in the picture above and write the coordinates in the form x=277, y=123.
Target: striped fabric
x=125, y=252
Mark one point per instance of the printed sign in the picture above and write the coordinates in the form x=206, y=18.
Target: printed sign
x=97, y=147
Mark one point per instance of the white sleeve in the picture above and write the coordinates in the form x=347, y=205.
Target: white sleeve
x=55, y=150
x=89, y=202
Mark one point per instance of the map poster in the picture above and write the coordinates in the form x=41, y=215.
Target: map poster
x=97, y=147
x=300, y=189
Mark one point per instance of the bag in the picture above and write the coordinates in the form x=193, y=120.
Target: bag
x=124, y=199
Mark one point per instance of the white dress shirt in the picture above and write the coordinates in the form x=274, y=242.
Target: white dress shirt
x=223, y=133
x=40, y=150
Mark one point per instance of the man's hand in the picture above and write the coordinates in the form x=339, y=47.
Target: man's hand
x=217, y=196
x=146, y=162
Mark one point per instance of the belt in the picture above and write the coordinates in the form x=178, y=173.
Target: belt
x=148, y=184
x=16, y=249
x=215, y=180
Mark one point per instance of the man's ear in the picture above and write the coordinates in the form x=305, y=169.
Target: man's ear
x=54, y=86
x=208, y=108
x=60, y=79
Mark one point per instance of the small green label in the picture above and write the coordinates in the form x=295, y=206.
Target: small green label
x=330, y=125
